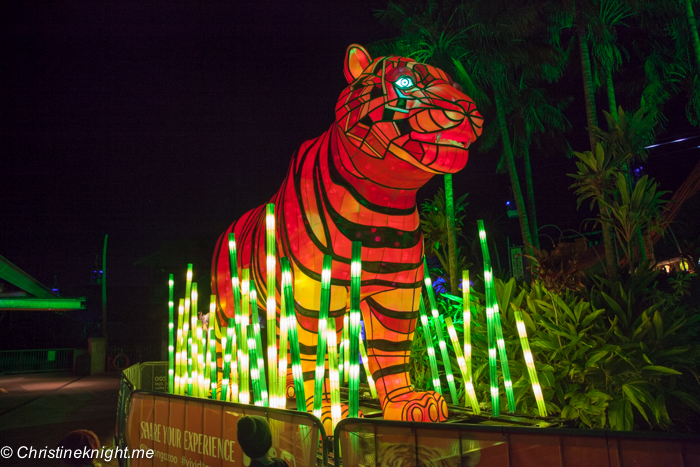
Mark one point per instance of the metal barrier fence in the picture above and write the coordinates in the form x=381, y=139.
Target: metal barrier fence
x=200, y=431
x=36, y=360
x=372, y=443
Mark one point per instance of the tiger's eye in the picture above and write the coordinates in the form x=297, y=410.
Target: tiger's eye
x=404, y=82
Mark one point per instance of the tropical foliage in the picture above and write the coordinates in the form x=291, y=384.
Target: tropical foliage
x=617, y=350
x=623, y=355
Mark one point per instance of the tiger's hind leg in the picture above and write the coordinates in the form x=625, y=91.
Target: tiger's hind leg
x=307, y=294
x=390, y=320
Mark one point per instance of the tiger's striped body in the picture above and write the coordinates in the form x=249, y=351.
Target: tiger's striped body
x=358, y=182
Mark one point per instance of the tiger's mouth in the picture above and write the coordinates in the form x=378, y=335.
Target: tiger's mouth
x=439, y=139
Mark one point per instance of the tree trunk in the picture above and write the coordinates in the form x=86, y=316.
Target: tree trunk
x=612, y=102
x=529, y=188
x=693, y=33
x=588, y=92
x=588, y=88
x=515, y=183
x=451, y=235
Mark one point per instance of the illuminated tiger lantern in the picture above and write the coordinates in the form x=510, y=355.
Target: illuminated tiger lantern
x=397, y=124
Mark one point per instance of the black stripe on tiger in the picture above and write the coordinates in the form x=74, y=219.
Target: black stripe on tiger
x=376, y=267
x=371, y=236
x=379, y=309
x=314, y=313
x=339, y=180
x=388, y=371
x=389, y=346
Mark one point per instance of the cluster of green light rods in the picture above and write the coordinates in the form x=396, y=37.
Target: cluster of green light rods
x=192, y=358
x=494, y=339
x=193, y=362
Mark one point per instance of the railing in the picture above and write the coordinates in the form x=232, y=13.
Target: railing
x=36, y=360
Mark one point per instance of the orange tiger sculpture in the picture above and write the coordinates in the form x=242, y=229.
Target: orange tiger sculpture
x=397, y=124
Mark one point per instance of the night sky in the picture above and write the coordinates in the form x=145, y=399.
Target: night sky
x=164, y=122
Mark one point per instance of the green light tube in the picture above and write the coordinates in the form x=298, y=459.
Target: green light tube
x=189, y=366
x=365, y=364
x=211, y=354
x=270, y=245
x=230, y=378
x=258, y=343
x=178, y=351
x=236, y=292
x=291, y=319
x=333, y=374
x=171, y=335
x=281, y=396
x=345, y=350
x=354, y=331
x=467, y=323
x=194, y=298
x=430, y=347
x=201, y=368
x=254, y=371
x=470, y=394
x=243, y=358
x=187, y=331
x=530, y=363
x=438, y=333
x=233, y=362
x=322, y=327
x=492, y=303
x=503, y=356
x=491, y=332
x=225, y=364
x=208, y=339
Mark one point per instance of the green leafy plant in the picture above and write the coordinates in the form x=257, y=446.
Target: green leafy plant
x=620, y=355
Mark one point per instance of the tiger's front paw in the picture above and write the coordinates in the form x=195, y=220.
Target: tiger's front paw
x=416, y=407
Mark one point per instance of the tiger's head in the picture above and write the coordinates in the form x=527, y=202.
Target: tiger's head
x=413, y=111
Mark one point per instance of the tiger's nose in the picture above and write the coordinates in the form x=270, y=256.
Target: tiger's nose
x=446, y=119
x=454, y=116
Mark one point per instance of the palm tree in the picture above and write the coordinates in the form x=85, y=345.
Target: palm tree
x=606, y=50
x=435, y=220
x=578, y=14
x=674, y=50
x=536, y=119
x=451, y=234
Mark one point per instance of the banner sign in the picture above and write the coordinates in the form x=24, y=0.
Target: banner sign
x=191, y=432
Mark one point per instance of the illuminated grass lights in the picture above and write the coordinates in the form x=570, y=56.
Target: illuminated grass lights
x=271, y=305
x=324, y=307
x=171, y=335
x=354, y=331
x=438, y=332
x=495, y=332
x=193, y=368
x=291, y=320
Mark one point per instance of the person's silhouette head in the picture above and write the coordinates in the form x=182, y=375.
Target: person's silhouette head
x=254, y=436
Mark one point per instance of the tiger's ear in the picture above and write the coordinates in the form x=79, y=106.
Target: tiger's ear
x=356, y=60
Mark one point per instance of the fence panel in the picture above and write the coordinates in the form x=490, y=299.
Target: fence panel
x=373, y=443
x=36, y=360
x=195, y=431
